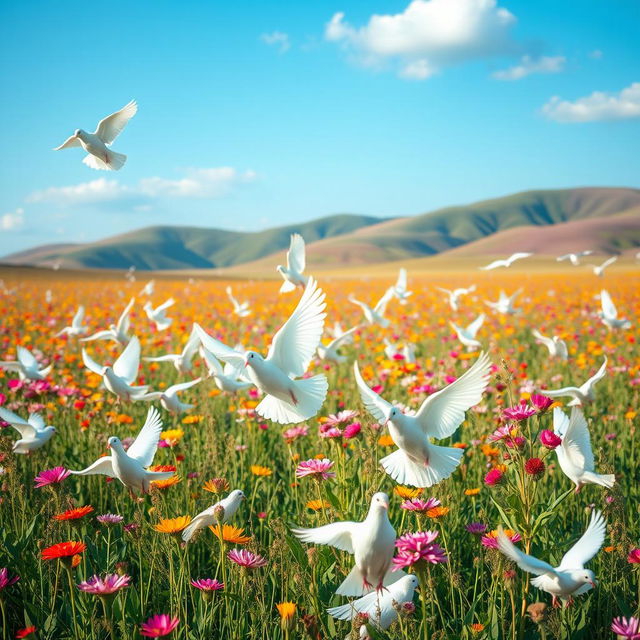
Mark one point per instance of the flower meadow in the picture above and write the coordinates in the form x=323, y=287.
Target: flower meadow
x=83, y=559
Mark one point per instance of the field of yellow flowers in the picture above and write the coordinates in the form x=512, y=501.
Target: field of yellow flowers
x=58, y=532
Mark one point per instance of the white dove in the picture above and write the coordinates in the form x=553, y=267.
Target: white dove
x=148, y=288
x=337, y=332
x=417, y=461
x=556, y=346
x=130, y=275
x=209, y=517
x=120, y=377
x=609, y=313
x=296, y=263
x=130, y=466
x=287, y=399
x=169, y=397
x=33, y=431
x=580, y=395
x=574, y=258
x=158, y=315
x=399, y=290
x=183, y=361
x=574, y=454
x=505, y=303
x=393, y=351
x=330, y=351
x=375, y=315
x=379, y=606
x=76, y=328
x=467, y=335
x=505, y=263
x=26, y=366
x=598, y=270
x=241, y=310
x=117, y=332
x=226, y=378
x=455, y=295
x=371, y=542
x=97, y=144
x=569, y=578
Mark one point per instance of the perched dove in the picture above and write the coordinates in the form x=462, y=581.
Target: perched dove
x=609, y=313
x=580, y=395
x=296, y=263
x=117, y=332
x=33, y=432
x=556, y=346
x=209, y=517
x=467, y=335
x=240, y=309
x=26, y=366
x=158, y=315
x=76, y=328
x=97, y=144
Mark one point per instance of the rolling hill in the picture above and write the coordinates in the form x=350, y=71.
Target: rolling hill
x=544, y=221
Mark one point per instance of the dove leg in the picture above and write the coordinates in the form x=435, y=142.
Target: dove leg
x=569, y=603
x=555, y=602
x=578, y=488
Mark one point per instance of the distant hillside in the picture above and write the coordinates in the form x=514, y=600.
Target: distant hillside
x=608, y=220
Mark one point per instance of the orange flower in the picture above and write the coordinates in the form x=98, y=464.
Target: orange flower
x=471, y=492
x=172, y=525
x=257, y=470
x=477, y=627
x=229, y=533
x=192, y=419
x=385, y=440
x=217, y=485
x=63, y=550
x=438, y=512
x=74, y=514
x=317, y=505
x=286, y=610
x=406, y=493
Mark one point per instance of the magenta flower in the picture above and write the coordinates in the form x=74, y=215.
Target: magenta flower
x=634, y=556
x=318, y=469
x=418, y=548
x=109, y=518
x=110, y=584
x=331, y=432
x=549, y=439
x=518, y=413
x=626, y=628
x=51, y=476
x=5, y=580
x=207, y=584
x=540, y=402
x=158, y=626
x=501, y=433
x=352, y=430
x=494, y=477
x=415, y=504
x=247, y=559
x=477, y=528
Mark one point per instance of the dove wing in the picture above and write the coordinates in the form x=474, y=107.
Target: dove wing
x=70, y=142
x=109, y=128
x=212, y=362
x=91, y=364
x=609, y=261
x=175, y=388
x=337, y=534
x=608, y=308
x=36, y=421
x=165, y=305
x=588, y=545
x=296, y=341
x=443, y=412
x=219, y=349
x=100, y=335
x=401, y=284
x=381, y=305
x=78, y=318
x=560, y=422
x=596, y=377
x=547, y=342
x=377, y=406
x=296, y=260
x=474, y=327
x=577, y=442
x=25, y=429
x=144, y=446
x=26, y=358
x=128, y=362
x=525, y=562
x=102, y=466
x=123, y=321
x=493, y=265
x=336, y=342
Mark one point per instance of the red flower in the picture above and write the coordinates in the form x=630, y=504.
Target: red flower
x=74, y=514
x=534, y=467
x=63, y=550
x=634, y=556
x=27, y=631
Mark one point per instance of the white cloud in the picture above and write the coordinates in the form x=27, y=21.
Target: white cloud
x=427, y=35
x=596, y=54
x=529, y=65
x=198, y=183
x=100, y=190
x=596, y=107
x=12, y=220
x=277, y=39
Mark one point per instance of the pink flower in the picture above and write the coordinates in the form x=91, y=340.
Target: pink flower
x=109, y=518
x=51, y=476
x=491, y=541
x=518, y=413
x=540, y=402
x=319, y=469
x=158, y=626
x=626, y=628
x=247, y=559
x=5, y=580
x=331, y=432
x=415, y=504
x=414, y=548
x=3, y=399
x=634, y=556
x=477, y=528
x=494, y=477
x=501, y=433
x=352, y=430
x=549, y=439
x=341, y=418
x=295, y=432
x=110, y=584
x=207, y=584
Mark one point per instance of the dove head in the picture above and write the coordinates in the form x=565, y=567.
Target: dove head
x=380, y=501
x=394, y=414
x=251, y=358
x=114, y=443
x=586, y=576
x=280, y=269
x=237, y=495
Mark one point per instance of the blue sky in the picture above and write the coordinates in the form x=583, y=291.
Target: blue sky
x=254, y=114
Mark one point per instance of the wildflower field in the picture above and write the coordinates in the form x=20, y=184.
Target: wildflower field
x=84, y=559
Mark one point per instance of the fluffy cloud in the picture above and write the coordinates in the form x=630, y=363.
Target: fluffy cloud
x=198, y=183
x=529, y=65
x=277, y=39
x=12, y=220
x=598, y=106
x=427, y=35
x=100, y=190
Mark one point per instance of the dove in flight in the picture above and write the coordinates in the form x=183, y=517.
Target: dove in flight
x=336, y=332
x=330, y=351
x=371, y=542
x=556, y=346
x=226, y=378
x=609, y=313
x=169, y=397
x=97, y=144
x=505, y=263
x=598, y=270
x=394, y=352
x=26, y=366
x=574, y=258
x=33, y=431
x=467, y=335
x=296, y=263
x=417, y=461
x=130, y=466
x=182, y=361
x=569, y=578
x=158, y=315
x=120, y=377
x=580, y=395
x=455, y=295
x=148, y=288
x=379, y=606
x=399, y=290
x=574, y=453
x=240, y=309
x=116, y=332
x=375, y=315
x=214, y=515
x=505, y=303
x=76, y=328
x=289, y=397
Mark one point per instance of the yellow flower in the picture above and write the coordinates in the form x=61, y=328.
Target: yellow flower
x=257, y=470
x=229, y=533
x=406, y=493
x=471, y=492
x=217, y=485
x=165, y=484
x=172, y=525
x=192, y=419
x=385, y=440
x=286, y=610
x=316, y=505
x=172, y=436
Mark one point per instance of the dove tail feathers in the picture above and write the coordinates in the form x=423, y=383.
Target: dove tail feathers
x=187, y=534
x=115, y=161
x=353, y=584
x=310, y=394
x=287, y=286
x=596, y=478
x=443, y=461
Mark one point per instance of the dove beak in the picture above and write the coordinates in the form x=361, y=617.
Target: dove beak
x=593, y=584
x=385, y=505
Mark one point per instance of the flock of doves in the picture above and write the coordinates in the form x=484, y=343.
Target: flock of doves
x=291, y=397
